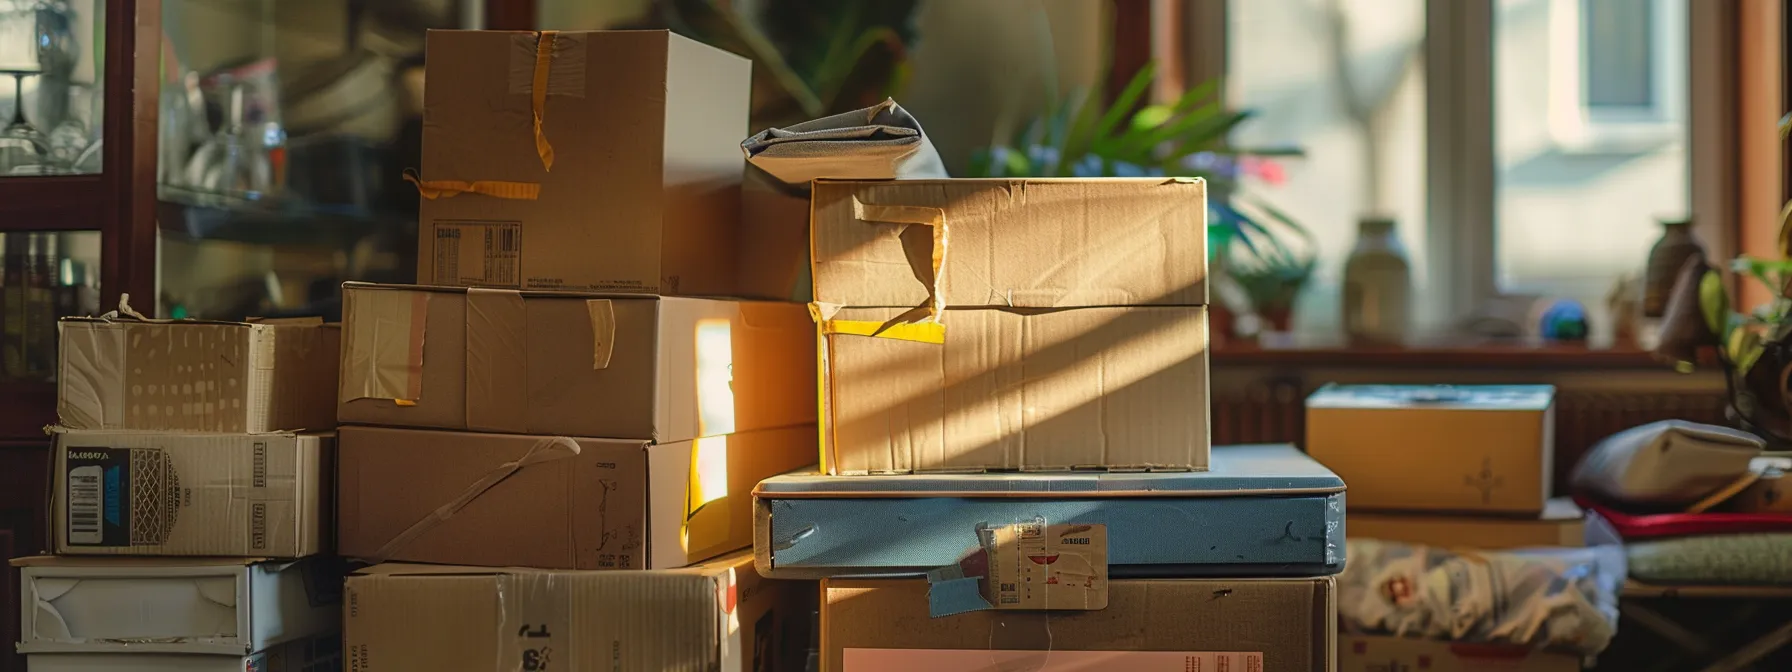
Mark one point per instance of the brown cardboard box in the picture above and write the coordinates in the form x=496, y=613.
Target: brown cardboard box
x=1029, y=389
x=1371, y=653
x=715, y=616
x=188, y=376
x=553, y=502
x=1281, y=625
x=1437, y=448
x=643, y=194
x=1047, y=243
x=618, y=366
x=1769, y=492
x=1562, y=524
x=156, y=493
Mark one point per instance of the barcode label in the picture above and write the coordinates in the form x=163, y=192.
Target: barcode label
x=85, y=500
x=472, y=253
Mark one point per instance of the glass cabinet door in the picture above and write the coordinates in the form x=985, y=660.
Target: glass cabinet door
x=44, y=276
x=51, y=87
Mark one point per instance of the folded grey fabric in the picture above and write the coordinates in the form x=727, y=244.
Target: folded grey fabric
x=1666, y=463
x=879, y=142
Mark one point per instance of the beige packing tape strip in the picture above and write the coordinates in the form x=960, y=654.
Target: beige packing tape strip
x=382, y=344
x=603, y=331
x=547, y=449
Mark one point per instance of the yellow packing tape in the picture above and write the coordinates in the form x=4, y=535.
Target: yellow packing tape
x=919, y=332
x=434, y=189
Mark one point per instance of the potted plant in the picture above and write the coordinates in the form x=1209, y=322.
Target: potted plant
x=1252, y=248
x=1754, y=348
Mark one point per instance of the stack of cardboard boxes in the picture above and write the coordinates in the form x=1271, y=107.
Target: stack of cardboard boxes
x=556, y=401
x=1015, y=457
x=192, y=472
x=1460, y=467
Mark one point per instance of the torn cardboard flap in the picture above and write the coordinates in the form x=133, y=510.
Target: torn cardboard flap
x=548, y=449
x=1033, y=565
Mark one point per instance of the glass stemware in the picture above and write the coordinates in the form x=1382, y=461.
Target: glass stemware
x=23, y=149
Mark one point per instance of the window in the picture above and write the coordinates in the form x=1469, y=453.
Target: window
x=1528, y=151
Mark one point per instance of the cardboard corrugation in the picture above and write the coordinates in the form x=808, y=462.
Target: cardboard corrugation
x=632, y=166
x=1122, y=388
x=715, y=616
x=228, y=377
x=260, y=495
x=615, y=366
x=512, y=500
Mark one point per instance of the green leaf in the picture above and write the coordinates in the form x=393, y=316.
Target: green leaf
x=1128, y=99
x=1152, y=116
x=1745, y=349
x=1713, y=302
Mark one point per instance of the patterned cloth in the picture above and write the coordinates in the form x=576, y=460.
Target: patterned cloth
x=1562, y=599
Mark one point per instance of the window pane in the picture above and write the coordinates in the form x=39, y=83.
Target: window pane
x=1572, y=219
x=1619, y=71
x=1284, y=62
x=51, y=78
x=44, y=276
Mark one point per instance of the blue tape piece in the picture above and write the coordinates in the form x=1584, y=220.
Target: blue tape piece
x=954, y=596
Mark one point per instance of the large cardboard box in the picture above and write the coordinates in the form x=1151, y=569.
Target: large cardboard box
x=1472, y=448
x=320, y=654
x=715, y=616
x=1149, y=625
x=554, y=502
x=187, y=376
x=1375, y=653
x=1031, y=389
x=616, y=366
x=1562, y=524
x=232, y=495
x=173, y=605
x=642, y=130
x=1039, y=243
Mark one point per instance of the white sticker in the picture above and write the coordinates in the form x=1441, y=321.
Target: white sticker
x=477, y=253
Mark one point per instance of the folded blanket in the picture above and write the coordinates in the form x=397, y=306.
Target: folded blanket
x=1561, y=599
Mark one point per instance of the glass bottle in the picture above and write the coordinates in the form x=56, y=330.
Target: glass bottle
x=12, y=305
x=40, y=306
x=1377, y=286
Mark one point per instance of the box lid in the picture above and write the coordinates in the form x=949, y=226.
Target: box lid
x=1034, y=243
x=1440, y=397
x=172, y=605
x=1250, y=470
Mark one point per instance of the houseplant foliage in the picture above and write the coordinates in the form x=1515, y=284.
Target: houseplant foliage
x=811, y=58
x=1754, y=348
x=1264, y=253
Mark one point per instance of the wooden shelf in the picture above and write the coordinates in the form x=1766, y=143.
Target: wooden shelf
x=1459, y=357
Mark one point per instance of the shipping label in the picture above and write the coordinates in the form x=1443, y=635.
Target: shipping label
x=478, y=253
x=120, y=496
x=1037, y=565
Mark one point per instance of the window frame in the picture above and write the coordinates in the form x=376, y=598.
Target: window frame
x=1460, y=189
x=1577, y=126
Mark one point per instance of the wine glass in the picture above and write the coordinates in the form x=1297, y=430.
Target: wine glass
x=23, y=149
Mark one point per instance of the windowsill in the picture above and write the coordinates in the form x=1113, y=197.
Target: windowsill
x=1441, y=355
